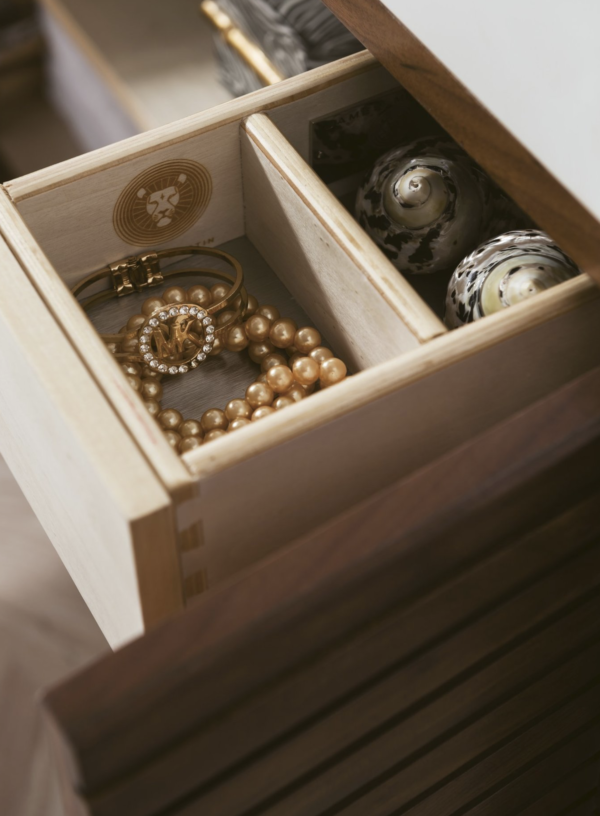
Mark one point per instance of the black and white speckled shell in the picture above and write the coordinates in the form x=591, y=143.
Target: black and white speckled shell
x=475, y=210
x=464, y=298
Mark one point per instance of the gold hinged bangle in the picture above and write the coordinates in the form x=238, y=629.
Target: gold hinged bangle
x=177, y=336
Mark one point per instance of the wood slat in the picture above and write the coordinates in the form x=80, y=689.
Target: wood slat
x=560, y=777
x=563, y=786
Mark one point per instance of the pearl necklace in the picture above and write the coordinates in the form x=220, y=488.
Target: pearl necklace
x=292, y=360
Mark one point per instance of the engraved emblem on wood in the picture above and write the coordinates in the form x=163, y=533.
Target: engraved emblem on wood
x=162, y=202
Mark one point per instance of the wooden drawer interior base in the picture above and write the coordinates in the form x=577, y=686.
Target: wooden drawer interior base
x=416, y=390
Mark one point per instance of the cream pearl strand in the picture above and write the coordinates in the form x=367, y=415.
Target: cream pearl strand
x=282, y=382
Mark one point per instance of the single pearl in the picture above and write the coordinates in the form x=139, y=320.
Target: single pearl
x=175, y=294
x=200, y=295
x=216, y=434
x=153, y=407
x=236, y=339
x=150, y=305
x=170, y=419
x=173, y=439
x=251, y=307
x=270, y=312
x=257, y=328
x=223, y=318
x=282, y=402
x=135, y=322
x=188, y=443
x=240, y=422
x=262, y=377
x=114, y=348
x=134, y=382
x=309, y=389
x=282, y=332
x=306, y=339
x=272, y=360
x=332, y=371
x=259, y=393
x=190, y=427
x=217, y=347
x=134, y=369
x=306, y=370
x=151, y=389
x=280, y=378
x=258, y=351
x=237, y=408
x=219, y=292
x=214, y=419
x=296, y=393
x=262, y=411
x=320, y=354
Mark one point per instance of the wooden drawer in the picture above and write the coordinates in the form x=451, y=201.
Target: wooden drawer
x=418, y=390
x=434, y=650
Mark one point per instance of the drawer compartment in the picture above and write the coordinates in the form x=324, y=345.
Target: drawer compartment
x=416, y=390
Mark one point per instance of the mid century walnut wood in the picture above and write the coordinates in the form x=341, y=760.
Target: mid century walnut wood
x=436, y=650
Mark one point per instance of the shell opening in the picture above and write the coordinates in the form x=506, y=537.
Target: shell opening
x=519, y=278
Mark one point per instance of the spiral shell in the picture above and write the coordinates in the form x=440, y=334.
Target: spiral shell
x=503, y=271
x=427, y=204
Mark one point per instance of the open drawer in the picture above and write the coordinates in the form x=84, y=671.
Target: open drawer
x=416, y=390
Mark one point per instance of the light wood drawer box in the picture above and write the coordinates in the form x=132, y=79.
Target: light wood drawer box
x=143, y=532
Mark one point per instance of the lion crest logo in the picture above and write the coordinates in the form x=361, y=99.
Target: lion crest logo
x=163, y=202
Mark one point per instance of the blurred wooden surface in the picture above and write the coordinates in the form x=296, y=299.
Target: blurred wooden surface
x=46, y=632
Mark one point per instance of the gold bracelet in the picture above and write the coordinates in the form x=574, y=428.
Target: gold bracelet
x=293, y=360
x=173, y=336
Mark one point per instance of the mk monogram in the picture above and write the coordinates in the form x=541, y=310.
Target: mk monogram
x=178, y=340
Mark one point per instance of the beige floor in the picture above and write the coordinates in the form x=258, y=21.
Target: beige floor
x=46, y=632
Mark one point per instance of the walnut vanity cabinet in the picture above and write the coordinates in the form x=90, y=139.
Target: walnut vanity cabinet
x=435, y=650
x=418, y=632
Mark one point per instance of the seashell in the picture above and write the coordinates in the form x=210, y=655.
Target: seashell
x=427, y=203
x=504, y=271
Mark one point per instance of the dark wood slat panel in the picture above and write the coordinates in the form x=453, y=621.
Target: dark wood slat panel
x=507, y=161
x=585, y=807
x=405, y=688
x=378, y=763
x=556, y=797
x=539, y=463
x=558, y=777
x=512, y=758
x=421, y=687
x=387, y=548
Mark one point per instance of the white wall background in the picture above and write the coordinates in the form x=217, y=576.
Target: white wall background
x=535, y=64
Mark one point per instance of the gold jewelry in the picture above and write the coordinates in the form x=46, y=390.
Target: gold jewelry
x=175, y=333
x=288, y=375
x=293, y=362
